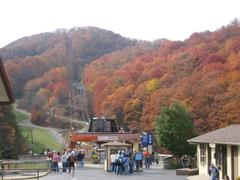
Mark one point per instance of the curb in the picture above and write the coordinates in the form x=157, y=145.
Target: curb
x=30, y=177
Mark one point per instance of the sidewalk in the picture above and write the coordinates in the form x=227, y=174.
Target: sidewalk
x=101, y=166
x=89, y=165
x=198, y=177
x=24, y=176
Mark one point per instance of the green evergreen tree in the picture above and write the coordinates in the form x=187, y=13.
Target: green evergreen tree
x=11, y=141
x=173, y=128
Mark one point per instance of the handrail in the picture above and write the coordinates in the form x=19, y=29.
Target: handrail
x=24, y=172
x=14, y=168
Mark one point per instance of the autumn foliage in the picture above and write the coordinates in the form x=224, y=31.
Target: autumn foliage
x=128, y=79
x=202, y=73
x=42, y=67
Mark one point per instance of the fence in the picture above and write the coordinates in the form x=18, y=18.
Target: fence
x=19, y=169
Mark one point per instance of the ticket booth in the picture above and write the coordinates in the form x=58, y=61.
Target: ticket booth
x=113, y=148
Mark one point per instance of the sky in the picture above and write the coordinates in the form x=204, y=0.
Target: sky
x=138, y=19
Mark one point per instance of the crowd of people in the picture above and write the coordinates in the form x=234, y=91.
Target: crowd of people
x=67, y=158
x=121, y=163
x=126, y=163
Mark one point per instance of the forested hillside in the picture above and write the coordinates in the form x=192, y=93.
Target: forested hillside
x=131, y=80
x=202, y=73
x=42, y=67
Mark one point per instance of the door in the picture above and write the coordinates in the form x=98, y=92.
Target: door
x=224, y=160
x=209, y=156
x=234, y=162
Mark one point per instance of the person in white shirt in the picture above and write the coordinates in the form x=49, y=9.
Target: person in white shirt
x=64, y=161
x=113, y=162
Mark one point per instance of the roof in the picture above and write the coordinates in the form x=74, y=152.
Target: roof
x=116, y=143
x=6, y=95
x=227, y=135
x=105, y=137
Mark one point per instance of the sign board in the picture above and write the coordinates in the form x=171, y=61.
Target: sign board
x=150, y=139
x=139, y=156
x=211, y=145
x=147, y=139
x=144, y=139
x=107, y=138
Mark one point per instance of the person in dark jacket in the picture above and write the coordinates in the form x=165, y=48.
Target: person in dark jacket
x=80, y=159
x=71, y=160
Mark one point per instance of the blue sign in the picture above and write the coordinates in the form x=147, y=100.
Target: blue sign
x=150, y=139
x=147, y=139
x=139, y=156
x=144, y=139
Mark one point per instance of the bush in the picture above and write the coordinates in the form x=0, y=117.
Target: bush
x=175, y=166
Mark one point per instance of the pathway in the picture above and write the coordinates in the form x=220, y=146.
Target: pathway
x=27, y=123
x=96, y=174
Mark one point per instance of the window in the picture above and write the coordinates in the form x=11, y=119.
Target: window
x=203, y=148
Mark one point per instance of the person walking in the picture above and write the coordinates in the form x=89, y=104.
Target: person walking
x=147, y=159
x=213, y=172
x=80, y=159
x=72, y=160
x=56, y=159
x=113, y=162
x=64, y=161
x=131, y=164
x=126, y=164
x=50, y=157
x=119, y=169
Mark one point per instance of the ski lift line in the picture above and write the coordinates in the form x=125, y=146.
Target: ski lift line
x=79, y=87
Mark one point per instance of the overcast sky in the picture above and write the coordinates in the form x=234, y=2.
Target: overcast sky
x=140, y=19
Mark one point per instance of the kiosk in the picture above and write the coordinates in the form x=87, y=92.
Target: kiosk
x=113, y=148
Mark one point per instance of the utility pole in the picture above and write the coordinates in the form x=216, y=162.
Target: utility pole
x=31, y=141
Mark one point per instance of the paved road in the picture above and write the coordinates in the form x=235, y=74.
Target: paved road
x=100, y=174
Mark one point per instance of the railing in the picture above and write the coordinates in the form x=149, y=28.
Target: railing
x=22, y=173
x=20, y=169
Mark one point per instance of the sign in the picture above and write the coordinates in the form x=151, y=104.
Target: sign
x=211, y=145
x=139, y=156
x=150, y=139
x=144, y=139
x=107, y=138
x=147, y=139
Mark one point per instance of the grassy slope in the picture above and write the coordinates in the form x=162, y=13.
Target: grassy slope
x=20, y=116
x=42, y=139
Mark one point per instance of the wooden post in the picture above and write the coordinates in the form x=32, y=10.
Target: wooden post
x=2, y=169
x=38, y=174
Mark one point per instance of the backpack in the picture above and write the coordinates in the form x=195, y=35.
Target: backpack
x=120, y=158
x=215, y=173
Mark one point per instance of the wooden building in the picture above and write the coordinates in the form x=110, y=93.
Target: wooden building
x=103, y=130
x=220, y=147
x=6, y=94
